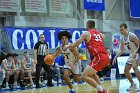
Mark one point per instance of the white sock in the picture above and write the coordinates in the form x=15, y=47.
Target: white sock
x=99, y=88
x=7, y=84
x=72, y=89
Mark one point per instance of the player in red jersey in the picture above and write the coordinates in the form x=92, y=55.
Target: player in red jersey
x=100, y=59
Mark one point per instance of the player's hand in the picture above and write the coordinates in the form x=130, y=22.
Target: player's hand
x=35, y=61
x=14, y=70
x=134, y=55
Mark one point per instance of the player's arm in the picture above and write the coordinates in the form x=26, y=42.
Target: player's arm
x=35, y=55
x=103, y=36
x=13, y=66
x=79, y=41
x=120, y=51
x=76, y=54
x=58, y=51
x=5, y=66
x=34, y=64
x=135, y=39
x=47, y=51
x=24, y=65
x=19, y=65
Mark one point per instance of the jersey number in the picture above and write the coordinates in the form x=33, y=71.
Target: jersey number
x=97, y=37
x=128, y=47
x=66, y=56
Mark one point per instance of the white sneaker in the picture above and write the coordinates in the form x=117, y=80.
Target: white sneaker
x=131, y=88
x=32, y=86
x=101, y=80
x=15, y=85
x=75, y=83
x=45, y=82
x=138, y=90
x=7, y=86
x=53, y=81
x=59, y=81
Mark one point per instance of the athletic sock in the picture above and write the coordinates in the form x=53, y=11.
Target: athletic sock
x=99, y=88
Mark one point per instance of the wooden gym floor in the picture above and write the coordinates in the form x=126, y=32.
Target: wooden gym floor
x=114, y=86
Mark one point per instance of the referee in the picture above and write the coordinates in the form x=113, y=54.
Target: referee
x=40, y=51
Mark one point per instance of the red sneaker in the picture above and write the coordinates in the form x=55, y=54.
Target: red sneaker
x=104, y=91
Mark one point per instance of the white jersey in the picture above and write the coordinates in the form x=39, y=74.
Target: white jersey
x=28, y=63
x=131, y=47
x=17, y=64
x=128, y=43
x=8, y=64
x=70, y=57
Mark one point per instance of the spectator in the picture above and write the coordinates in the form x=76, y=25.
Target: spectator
x=59, y=63
x=2, y=76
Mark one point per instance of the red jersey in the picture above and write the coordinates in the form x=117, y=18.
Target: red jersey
x=95, y=45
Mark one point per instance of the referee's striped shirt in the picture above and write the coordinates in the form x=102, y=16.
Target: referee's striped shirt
x=41, y=48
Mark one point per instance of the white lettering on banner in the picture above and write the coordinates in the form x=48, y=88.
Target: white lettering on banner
x=28, y=41
x=52, y=38
x=15, y=40
x=95, y=1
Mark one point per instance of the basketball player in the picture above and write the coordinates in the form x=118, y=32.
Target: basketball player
x=137, y=72
x=130, y=41
x=28, y=67
x=71, y=58
x=10, y=69
x=94, y=42
x=17, y=66
x=2, y=75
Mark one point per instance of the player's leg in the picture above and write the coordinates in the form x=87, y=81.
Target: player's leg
x=96, y=77
x=76, y=77
x=2, y=76
x=16, y=75
x=129, y=76
x=8, y=73
x=66, y=74
x=76, y=72
x=137, y=72
x=30, y=77
x=87, y=76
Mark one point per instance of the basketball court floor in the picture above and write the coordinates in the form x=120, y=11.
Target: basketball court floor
x=114, y=86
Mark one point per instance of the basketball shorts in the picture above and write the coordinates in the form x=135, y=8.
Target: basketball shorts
x=99, y=61
x=75, y=69
x=131, y=60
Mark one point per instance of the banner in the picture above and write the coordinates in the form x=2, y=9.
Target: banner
x=25, y=38
x=135, y=8
x=10, y=5
x=94, y=5
x=35, y=6
x=116, y=41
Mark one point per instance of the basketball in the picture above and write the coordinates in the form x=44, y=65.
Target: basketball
x=49, y=59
